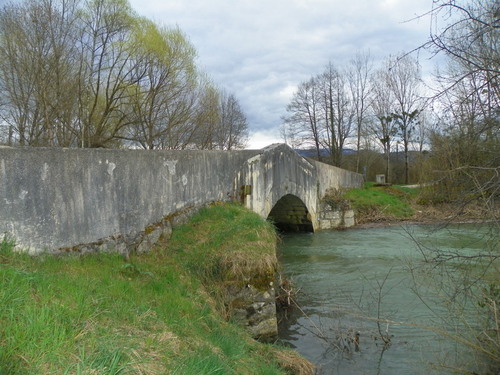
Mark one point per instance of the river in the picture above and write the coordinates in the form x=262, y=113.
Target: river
x=368, y=285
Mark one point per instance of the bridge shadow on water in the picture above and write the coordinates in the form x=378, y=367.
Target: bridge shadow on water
x=290, y=214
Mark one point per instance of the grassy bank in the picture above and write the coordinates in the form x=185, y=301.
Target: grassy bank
x=153, y=314
x=395, y=203
x=382, y=203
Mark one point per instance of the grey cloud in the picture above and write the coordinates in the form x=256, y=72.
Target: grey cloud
x=257, y=49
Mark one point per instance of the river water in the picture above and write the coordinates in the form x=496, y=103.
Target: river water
x=351, y=283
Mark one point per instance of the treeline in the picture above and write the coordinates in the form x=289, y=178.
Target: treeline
x=378, y=110
x=92, y=73
x=361, y=104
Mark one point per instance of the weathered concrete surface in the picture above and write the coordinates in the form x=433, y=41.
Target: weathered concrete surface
x=52, y=198
x=57, y=198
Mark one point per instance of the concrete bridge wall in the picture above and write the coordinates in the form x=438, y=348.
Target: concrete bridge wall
x=54, y=198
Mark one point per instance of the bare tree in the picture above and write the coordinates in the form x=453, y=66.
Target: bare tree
x=90, y=73
x=220, y=123
x=233, y=128
x=423, y=129
x=303, y=121
x=321, y=113
x=403, y=81
x=17, y=78
x=207, y=117
x=358, y=74
x=338, y=111
x=466, y=146
x=383, y=126
x=464, y=162
x=469, y=35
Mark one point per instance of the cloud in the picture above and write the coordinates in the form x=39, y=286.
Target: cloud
x=260, y=50
x=263, y=138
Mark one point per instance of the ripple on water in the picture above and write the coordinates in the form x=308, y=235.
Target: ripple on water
x=340, y=275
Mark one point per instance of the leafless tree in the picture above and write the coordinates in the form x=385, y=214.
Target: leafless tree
x=358, y=75
x=303, y=122
x=207, y=117
x=383, y=126
x=233, y=128
x=424, y=126
x=338, y=111
x=468, y=33
x=466, y=146
x=403, y=81
x=321, y=113
x=465, y=162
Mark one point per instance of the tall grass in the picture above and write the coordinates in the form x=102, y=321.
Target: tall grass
x=152, y=314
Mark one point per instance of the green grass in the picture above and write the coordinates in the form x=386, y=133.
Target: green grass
x=154, y=314
x=382, y=201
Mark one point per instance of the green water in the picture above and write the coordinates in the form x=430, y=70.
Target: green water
x=352, y=281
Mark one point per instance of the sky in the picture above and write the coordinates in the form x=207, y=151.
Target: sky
x=261, y=50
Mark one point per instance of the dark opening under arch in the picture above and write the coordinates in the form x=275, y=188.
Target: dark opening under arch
x=290, y=214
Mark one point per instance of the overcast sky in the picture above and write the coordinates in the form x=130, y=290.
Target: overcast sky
x=260, y=50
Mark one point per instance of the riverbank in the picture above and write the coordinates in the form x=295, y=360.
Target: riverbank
x=425, y=215
x=157, y=313
x=378, y=206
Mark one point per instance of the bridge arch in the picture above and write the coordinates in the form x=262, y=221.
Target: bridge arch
x=290, y=214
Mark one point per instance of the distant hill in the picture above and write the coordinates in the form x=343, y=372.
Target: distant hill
x=311, y=152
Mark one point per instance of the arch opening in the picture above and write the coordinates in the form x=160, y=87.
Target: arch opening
x=290, y=214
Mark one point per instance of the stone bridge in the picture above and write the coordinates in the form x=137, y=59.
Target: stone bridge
x=60, y=198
